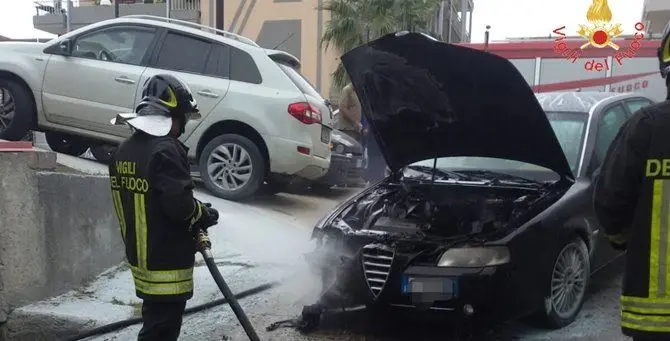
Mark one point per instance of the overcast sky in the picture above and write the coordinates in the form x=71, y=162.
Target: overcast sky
x=540, y=17
x=533, y=17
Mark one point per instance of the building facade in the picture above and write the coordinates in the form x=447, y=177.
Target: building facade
x=656, y=13
x=453, y=21
x=296, y=26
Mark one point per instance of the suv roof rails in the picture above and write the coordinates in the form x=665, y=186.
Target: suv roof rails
x=226, y=34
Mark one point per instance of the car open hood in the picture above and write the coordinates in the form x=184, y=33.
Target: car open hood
x=425, y=99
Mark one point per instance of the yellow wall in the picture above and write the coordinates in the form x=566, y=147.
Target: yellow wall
x=257, y=12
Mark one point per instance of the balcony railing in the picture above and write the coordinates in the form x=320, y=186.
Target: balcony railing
x=60, y=6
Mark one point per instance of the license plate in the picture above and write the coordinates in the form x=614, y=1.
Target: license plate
x=325, y=135
x=429, y=285
x=359, y=163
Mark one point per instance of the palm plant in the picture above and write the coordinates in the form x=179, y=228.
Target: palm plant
x=355, y=22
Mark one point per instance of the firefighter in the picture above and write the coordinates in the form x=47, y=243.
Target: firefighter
x=632, y=202
x=152, y=192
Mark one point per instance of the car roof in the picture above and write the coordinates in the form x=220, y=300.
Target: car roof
x=226, y=37
x=575, y=101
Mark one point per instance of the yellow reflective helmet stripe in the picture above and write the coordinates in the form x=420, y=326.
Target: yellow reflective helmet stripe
x=140, y=230
x=176, y=288
x=162, y=276
x=172, y=99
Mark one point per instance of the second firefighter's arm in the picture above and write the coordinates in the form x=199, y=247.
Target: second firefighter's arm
x=621, y=174
x=171, y=179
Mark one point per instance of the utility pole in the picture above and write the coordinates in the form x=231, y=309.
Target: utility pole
x=219, y=14
x=68, y=25
x=168, y=5
x=116, y=8
x=486, y=37
x=211, y=14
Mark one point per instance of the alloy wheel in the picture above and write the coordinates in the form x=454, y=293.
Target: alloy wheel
x=568, y=281
x=7, y=108
x=229, y=166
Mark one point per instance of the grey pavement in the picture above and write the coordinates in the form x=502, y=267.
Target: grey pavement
x=265, y=240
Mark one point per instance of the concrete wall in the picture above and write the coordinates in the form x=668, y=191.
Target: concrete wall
x=86, y=15
x=58, y=229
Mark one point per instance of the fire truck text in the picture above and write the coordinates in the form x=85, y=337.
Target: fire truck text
x=631, y=87
x=634, y=45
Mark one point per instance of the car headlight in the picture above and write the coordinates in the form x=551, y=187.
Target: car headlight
x=474, y=257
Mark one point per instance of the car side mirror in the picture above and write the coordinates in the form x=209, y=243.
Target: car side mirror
x=65, y=47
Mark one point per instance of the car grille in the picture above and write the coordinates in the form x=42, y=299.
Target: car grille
x=377, y=261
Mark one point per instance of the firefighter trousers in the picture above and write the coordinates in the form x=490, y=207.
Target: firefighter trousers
x=162, y=320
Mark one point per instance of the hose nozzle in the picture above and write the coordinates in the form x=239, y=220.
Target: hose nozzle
x=203, y=243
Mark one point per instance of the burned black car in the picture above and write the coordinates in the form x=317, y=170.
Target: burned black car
x=483, y=215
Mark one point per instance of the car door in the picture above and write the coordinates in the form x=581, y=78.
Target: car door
x=202, y=64
x=608, y=125
x=98, y=79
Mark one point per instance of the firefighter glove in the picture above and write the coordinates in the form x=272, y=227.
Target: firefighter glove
x=210, y=216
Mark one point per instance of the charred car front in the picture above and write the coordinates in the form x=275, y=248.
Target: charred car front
x=482, y=214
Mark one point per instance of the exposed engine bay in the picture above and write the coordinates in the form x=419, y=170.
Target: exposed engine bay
x=445, y=210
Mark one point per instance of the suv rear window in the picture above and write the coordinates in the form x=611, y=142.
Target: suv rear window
x=299, y=80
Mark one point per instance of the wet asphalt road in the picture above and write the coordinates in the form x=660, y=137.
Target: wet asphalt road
x=599, y=319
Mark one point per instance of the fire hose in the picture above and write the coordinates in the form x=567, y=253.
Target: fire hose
x=204, y=247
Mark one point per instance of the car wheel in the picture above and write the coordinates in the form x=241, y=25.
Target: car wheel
x=569, y=281
x=17, y=111
x=232, y=167
x=66, y=143
x=103, y=152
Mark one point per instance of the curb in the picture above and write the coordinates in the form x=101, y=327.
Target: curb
x=34, y=326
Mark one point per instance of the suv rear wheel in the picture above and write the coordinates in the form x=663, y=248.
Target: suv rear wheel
x=17, y=110
x=103, y=152
x=66, y=143
x=232, y=167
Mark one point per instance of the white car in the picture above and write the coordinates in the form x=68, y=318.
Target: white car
x=262, y=120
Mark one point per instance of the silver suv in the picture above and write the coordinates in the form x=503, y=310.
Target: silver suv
x=263, y=123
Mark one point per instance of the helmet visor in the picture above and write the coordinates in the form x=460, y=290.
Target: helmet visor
x=193, y=115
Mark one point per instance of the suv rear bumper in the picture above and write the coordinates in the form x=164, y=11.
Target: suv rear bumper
x=285, y=159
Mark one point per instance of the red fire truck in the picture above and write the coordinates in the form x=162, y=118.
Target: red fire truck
x=562, y=65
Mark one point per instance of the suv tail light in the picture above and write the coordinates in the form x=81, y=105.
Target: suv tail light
x=305, y=112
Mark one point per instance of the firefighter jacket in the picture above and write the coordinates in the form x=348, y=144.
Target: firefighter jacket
x=152, y=192
x=632, y=202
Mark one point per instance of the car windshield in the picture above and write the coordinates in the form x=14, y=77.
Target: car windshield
x=569, y=129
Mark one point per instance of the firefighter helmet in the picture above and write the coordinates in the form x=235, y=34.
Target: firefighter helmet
x=164, y=97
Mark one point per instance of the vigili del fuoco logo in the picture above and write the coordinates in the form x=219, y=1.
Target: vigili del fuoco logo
x=599, y=33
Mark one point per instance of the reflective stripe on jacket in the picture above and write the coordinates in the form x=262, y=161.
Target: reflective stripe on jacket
x=632, y=201
x=152, y=192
